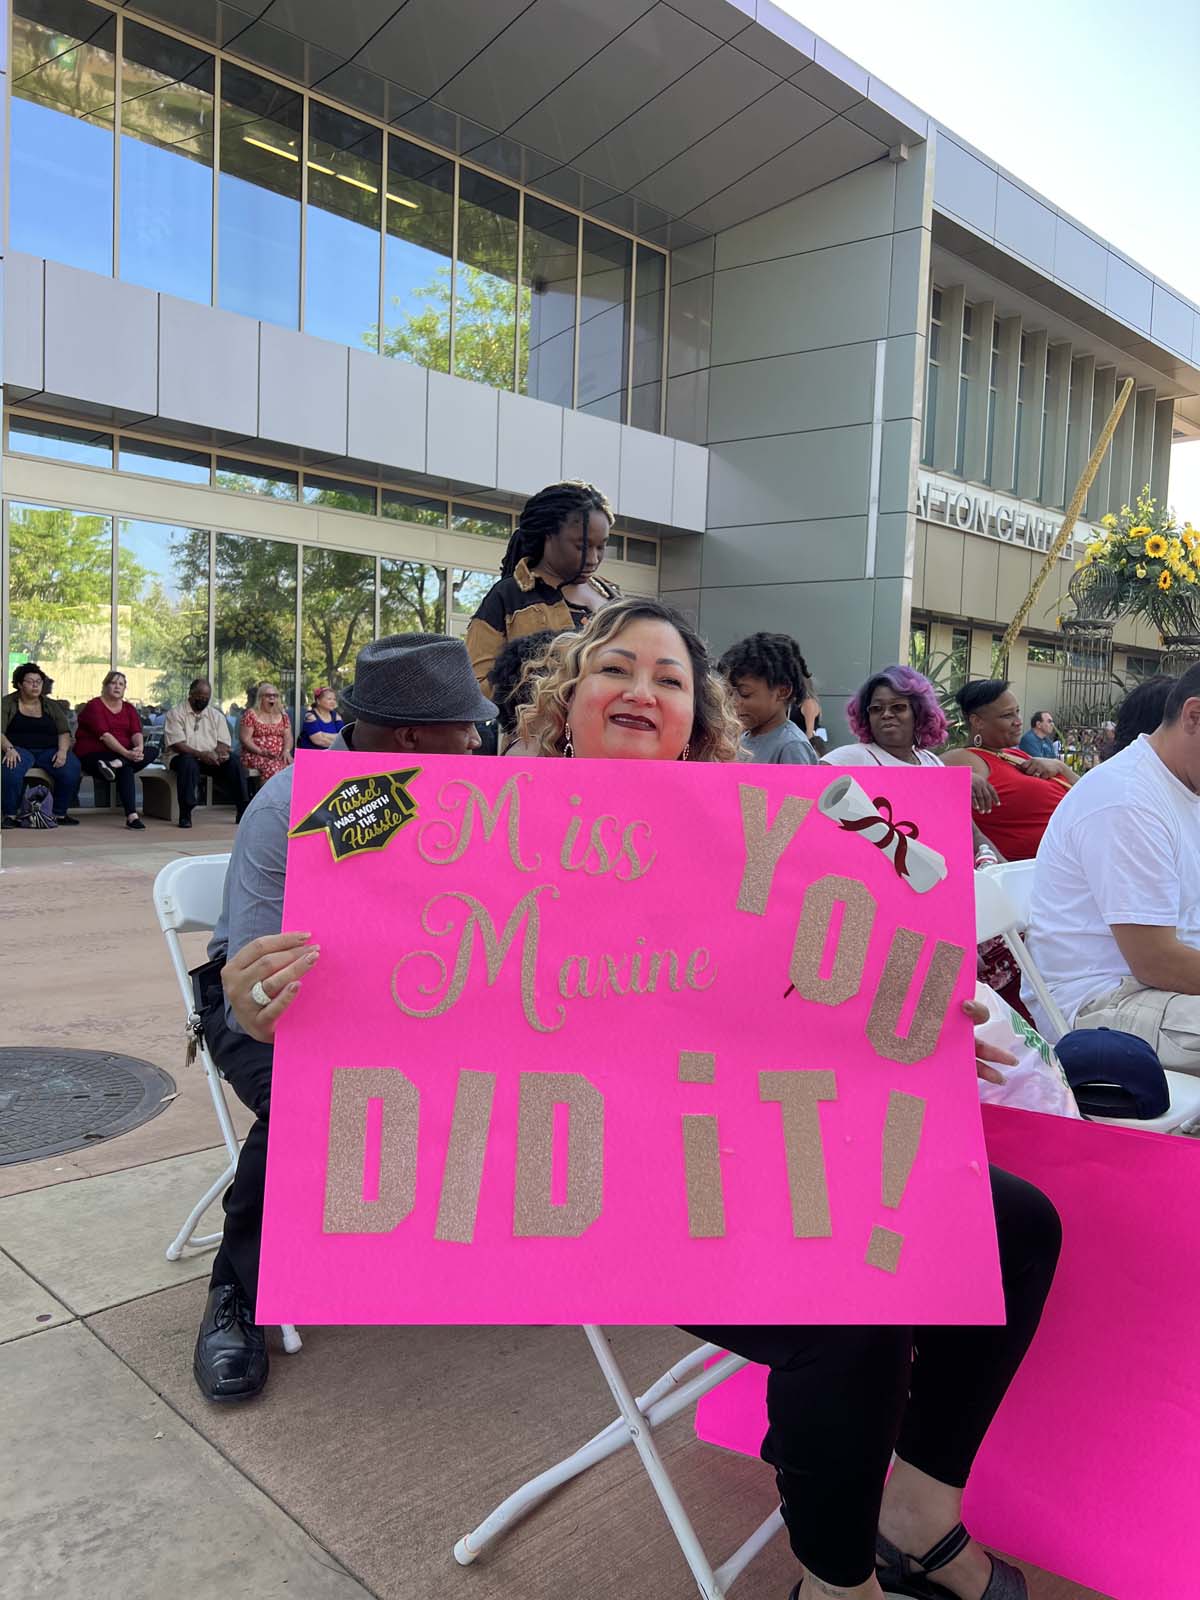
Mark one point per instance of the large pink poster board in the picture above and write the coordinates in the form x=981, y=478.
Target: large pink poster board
x=625, y=1042
x=1092, y=1466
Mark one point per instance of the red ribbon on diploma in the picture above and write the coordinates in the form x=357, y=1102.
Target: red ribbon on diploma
x=901, y=832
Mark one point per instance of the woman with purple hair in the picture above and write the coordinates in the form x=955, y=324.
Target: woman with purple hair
x=898, y=721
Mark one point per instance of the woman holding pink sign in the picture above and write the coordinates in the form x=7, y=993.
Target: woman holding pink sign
x=637, y=684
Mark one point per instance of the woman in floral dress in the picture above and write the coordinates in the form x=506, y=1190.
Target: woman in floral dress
x=266, y=734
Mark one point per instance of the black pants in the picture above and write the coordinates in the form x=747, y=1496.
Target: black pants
x=123, y=776
x=189, y=772
x=840, y=1400
x=246, y=1064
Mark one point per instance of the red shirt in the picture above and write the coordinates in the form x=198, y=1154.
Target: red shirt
x=96, y=718
x=1017, y=824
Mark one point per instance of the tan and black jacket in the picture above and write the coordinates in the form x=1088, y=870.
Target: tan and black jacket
x=517, y=606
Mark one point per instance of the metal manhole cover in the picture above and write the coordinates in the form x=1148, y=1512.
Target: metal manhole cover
x=57, y=1100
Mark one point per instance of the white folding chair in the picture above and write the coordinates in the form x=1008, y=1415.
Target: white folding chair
x=1002, y=897
x=678, y=1388
x=187, y=899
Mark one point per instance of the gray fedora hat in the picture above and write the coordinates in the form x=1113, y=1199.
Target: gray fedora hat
x=407, y=678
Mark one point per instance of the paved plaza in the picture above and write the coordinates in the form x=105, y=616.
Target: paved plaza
x=372, y=1449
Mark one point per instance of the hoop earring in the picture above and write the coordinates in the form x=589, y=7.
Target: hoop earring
x=685, y=752
x=977, y=741
x=568, y=747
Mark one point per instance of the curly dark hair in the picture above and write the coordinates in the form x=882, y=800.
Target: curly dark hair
x=774, y=657
x=26, y=670
x=543, y=516
x=1142, y=709
x=511, y=686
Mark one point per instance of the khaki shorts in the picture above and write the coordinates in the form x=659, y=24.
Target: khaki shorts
x=1170, y=1023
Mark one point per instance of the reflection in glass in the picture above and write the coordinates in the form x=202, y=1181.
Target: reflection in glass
x=417, y=252
x=59, y=442
x=162, y=609
x=412, y=597
x=338, y=494
x=259, y=210
x=166, y=164
x=341, y=291
x=414, y=508
x=251, y=477
x=604, y=322
x=475, y=519
x=469, y=590
x=166, y=461
x=548, y=270
x=485, y=295
x=60, y=595
x=649, y=307
x=61, y=171
x=337, y=615
x=641, y=552
x=254, y=604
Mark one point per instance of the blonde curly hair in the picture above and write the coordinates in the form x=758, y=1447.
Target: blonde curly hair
x=716, y=732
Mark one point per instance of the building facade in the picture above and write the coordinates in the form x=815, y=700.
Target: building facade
x=300, y=303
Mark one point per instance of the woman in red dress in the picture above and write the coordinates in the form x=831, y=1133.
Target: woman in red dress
x=266, y=734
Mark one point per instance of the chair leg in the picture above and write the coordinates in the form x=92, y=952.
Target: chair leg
x=291, y=1339
x=184, y=1237
x=643, y=1443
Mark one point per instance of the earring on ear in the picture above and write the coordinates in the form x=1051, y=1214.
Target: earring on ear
x=977, y=741
x=568, y=747
x=685, y=752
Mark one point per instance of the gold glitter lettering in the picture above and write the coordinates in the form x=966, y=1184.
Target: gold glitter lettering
x=702, y=1174
x=697, y=1066
x=465, y=1151
x=352, y=1091
x=936, y=992
x=812, y=939
x=798, y=1095
x=883, y=1249
x=696, y=973
x=445, y=839
x=536, y=1215
x=638, y=868
x=764, y=845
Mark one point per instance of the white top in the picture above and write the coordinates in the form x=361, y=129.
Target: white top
x=872, y=755
x=1123, y=846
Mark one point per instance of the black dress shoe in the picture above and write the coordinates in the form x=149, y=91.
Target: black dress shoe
x=65, y=821
x=230, y=1361
x=185, y=819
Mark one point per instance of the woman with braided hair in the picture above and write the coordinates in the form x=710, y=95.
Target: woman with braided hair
x=769, y=680
x=548, y=575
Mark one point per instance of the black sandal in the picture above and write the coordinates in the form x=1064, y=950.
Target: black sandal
x=908, y=1576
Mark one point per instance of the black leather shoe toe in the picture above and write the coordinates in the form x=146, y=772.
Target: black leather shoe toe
x=230, y=1361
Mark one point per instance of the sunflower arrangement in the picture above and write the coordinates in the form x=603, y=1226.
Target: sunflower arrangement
x=1156, y=564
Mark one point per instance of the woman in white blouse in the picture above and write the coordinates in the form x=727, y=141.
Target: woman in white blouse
x=898, y=721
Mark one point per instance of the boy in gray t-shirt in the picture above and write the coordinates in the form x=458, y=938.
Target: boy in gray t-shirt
x=767, y=677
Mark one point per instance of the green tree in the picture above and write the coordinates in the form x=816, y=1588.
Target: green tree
x=484, y=328
x=60, y=581
x=338, y=614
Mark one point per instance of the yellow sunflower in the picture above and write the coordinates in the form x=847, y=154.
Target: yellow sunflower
x=1164, y=581
x=1156, y=546
x=1108, y=521
x=1142, y=531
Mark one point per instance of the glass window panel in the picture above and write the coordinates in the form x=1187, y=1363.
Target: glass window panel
x=341, y=292
x=60, y=442
x=166, y=164
x=60, y=596
x=61, y=171
x=649, y=312
x=477, y=519
x=485, y=285
x=162, y=609
x=615, y=548
x=604, y=322
x=412, y=597
x=641, y=552
x=548, y=272
x=417, y=252
x=251, y=477
x=415, y=508
x=259, y=252
x=165, y=461
x=338, y=494
x=337, y=615
x=254, y=606
x=469, y=590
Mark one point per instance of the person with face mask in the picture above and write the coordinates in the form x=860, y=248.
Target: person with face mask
x=196, y=741
x=548, y=577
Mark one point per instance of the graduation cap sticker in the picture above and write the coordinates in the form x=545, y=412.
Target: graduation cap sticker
x=361, y=814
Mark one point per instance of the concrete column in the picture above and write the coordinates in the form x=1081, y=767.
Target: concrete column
x=1054, y=463
x=1143, y=440
x=1120, y=491
x=1004, y=439
x=1104, y=397
x=945, y=436
x=1029, y=472
x=1160, y=458
x=1079, y=431
x=983, y=315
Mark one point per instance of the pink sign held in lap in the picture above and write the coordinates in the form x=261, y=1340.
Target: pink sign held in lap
x=627, y=1043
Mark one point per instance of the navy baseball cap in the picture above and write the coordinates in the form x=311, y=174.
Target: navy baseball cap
x=1114, y=1074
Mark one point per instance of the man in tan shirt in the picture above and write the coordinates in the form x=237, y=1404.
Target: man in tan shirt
x=196, y=743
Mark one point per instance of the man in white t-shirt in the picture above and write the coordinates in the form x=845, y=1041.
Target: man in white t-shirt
x=1115, y=916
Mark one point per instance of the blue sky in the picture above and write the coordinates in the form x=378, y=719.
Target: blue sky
x=1092, y=102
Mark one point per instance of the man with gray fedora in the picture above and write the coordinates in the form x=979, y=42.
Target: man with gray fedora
x=413, y=694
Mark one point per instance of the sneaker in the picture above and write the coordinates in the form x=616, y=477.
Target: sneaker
x=8, y=822
x=66, y=821
x=135, y=822
x=105, y=771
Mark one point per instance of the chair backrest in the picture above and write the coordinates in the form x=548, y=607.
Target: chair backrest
x=187, y=899
x=1016, y=879
x=998, y=917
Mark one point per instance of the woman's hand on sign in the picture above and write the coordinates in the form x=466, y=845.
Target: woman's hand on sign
x=986, y=1053
x=983, y=796
x=279, y=961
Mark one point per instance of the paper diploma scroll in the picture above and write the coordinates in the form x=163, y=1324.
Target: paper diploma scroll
x=847, y=805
